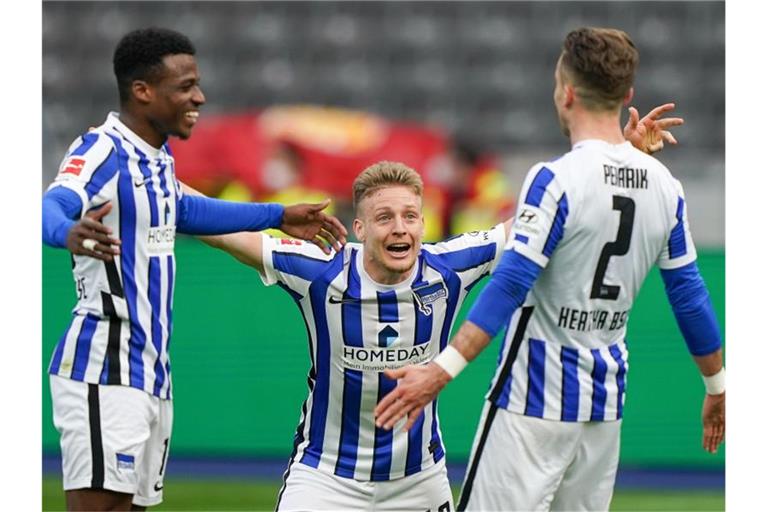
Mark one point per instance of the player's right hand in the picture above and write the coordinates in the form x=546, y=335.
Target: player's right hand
x=651, y=132
x=91, y=228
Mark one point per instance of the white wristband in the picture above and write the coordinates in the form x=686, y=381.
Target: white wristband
x=451, y=361
x=715, y=384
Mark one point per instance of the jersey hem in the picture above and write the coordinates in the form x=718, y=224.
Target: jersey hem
x=610, y=415
x=92, y=381
x=380, y=477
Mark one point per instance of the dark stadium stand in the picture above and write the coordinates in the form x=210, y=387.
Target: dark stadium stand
x=479, y=69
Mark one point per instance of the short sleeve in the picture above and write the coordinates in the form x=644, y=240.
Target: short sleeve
x=88, y=167
x=475, y=252
x=541, y=218
x=678, y=249
x=294, y=263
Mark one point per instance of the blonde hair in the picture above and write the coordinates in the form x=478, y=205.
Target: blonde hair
x=383, y=174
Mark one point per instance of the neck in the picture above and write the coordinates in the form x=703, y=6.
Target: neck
x=383, y=275
x=605, y=126
x=142, y=127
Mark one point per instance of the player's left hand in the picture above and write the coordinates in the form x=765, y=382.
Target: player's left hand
x=713, y=418
x=308, y=222
x=650, y=133
x=417, y=386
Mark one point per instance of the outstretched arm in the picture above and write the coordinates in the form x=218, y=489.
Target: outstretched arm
x=650, y=133
x=246, y=246
x=201, y=215
x=420, y=384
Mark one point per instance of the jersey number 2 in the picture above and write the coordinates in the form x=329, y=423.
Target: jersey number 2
x=619, y=247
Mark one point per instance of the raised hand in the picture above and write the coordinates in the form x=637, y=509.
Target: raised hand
x=89, y=237
x=713, y=419
x=308, y=222
x=650, y=133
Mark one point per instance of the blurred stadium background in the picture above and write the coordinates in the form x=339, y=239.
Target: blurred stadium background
x=300, y=97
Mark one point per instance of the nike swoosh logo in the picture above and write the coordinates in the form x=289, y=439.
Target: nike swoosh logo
x=337, y=300
x=139, y=183
x=158, y=487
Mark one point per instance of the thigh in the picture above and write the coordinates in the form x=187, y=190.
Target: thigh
x=155, y=459
x=518, y=461
x=307, y=488
x=588, y=482
x=425, y=490
x=97, y=499
x=103, y=432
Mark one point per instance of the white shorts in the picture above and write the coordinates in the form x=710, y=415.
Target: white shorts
x=112, y=437
x=307, y=488
x=524, y=463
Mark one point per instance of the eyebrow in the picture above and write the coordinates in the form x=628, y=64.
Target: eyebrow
x=388, y=208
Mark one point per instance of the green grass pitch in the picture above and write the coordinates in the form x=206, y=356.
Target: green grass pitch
x=211, y=494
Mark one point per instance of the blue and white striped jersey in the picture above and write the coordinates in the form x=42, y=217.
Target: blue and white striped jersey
x=121, y=324
x=597, y=219
x=358, y=328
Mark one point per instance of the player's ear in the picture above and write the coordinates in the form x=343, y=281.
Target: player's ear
x=570, y=95
x=359, y=228
x=628, y=96
x=142, y=91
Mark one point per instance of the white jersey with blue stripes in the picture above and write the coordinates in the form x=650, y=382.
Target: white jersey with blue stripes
x=357, y=329
x=597, y=219
x=121, y=324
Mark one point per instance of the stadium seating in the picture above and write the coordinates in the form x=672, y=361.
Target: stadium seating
x=482, y=68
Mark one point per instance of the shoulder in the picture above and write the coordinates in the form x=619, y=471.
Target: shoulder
x=302, y=250
x=464, y=240
x=660, y=172
x=91, y=151
x=467, y=250
x=93, y=141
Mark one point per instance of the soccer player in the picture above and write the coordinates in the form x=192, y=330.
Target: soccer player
x=116, y=206
x=380, y=304
x=589, y=227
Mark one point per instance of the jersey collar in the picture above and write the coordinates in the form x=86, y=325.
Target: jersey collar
x=599, y=142
x=113, y=121
x=380, y=286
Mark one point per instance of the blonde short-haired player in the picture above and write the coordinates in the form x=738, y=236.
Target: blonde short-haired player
x=380, y=304
x=589, y=227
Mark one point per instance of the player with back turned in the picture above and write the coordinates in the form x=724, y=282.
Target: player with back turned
x=589, y=227
x=116, y=206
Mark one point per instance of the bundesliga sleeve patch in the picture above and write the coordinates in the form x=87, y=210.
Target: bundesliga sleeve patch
x=73, y=165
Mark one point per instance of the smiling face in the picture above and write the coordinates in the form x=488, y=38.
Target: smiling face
x=390, y=225
x=176, y=97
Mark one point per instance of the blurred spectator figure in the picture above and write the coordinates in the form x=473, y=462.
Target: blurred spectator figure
x=283, y=179
x=290, y=153
x=476, y=193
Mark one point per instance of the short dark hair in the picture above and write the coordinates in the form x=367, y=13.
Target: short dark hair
x=601, y=63
x=139, y=55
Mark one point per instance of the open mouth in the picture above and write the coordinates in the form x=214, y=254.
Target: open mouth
x=399, y=249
